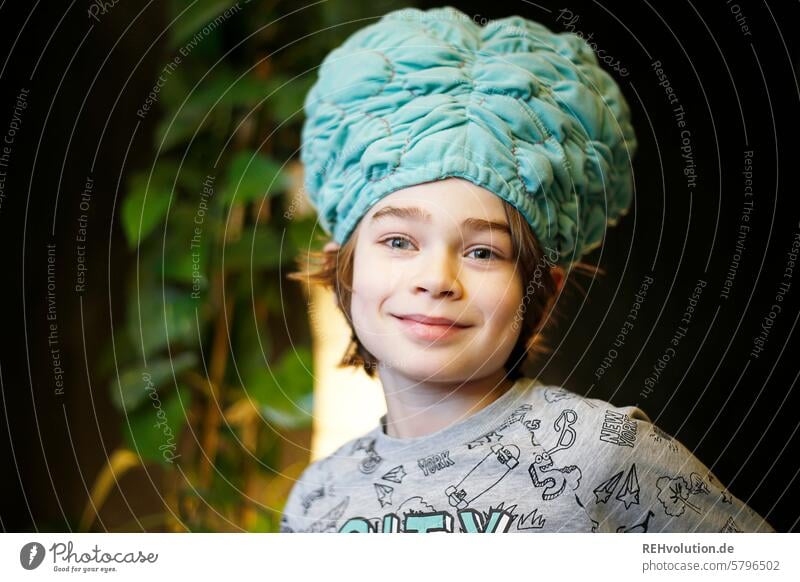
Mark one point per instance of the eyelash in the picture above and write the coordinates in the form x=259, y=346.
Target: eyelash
x=495, y=256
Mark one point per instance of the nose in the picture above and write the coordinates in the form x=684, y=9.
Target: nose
x=438, y=274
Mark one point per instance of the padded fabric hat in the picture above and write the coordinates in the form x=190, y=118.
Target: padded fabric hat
x=510, y=106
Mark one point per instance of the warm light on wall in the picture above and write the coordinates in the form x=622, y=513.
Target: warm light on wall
x=347, y=403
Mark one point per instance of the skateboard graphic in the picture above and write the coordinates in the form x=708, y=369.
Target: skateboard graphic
x=497, y=463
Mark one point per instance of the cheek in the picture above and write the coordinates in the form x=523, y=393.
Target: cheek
x=368, y=281
x=501, y=302
x=371, y=286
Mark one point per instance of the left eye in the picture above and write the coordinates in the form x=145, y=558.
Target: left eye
x=486, y=253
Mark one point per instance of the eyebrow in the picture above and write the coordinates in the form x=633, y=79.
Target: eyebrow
x=419, y=215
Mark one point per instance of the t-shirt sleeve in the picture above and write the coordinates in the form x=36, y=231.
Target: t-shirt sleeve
x=643, y=480
x=294, y=515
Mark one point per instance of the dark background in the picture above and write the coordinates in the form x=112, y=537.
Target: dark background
x=738, y=414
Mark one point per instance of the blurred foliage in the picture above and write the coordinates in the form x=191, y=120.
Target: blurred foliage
x=213, y=360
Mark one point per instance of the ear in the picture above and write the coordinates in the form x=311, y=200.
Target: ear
x=559, y=277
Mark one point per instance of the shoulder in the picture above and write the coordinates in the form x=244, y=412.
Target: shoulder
x=317, y=482
x=634, y=477
x=323, y=471
x=617, y=424
x=613, y=435
x=338, y=459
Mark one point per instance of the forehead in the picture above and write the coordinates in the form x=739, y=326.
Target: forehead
x=448, y=200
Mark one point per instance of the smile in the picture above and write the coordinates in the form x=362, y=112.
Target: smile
x=429, y=331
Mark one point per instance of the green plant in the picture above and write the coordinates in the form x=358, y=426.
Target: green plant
x=206, y=375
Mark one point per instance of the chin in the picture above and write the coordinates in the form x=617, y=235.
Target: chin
x=424, y=368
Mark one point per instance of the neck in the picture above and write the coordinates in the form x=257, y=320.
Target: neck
x=419, y=408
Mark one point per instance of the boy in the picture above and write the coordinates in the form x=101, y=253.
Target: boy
x=460, y=169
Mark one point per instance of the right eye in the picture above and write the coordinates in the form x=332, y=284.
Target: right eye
x=401, y=240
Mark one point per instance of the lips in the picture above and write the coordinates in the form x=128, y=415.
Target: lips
x=441, y=321
x=420, y=328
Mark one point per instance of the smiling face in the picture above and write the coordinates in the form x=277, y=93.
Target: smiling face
x=438, y=250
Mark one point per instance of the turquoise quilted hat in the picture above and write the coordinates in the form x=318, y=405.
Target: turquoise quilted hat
x=510, y=106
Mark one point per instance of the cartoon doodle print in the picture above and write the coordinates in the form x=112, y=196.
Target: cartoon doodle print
x=433, y=463
x=384, y=493
x=724, y=493
x=532, y=520
x=285, y=528
x=640, y=527
x=415, y=504
x=660, y=436
x=496, y=520
x=396, y=475
x=328, y=521
x=372, y=459
x=309, y=499
x=532, y=426
x=628, y=493
x=315, y=496
x=416, y=515
x=554, y=481
x=673, y=493
x=553, y=395
x=696, y=485
x=494, y=435
x=730, y=527
x=497, y=463
x=618, y=429
x=563, y=427
x=594, y=523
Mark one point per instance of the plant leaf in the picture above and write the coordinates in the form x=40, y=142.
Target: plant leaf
x=283, y=392
x=255, y=251
x=131, y=390
x=170, y=319
x=153, y=430
x=195, y=18
x=146, y=205
x=196, y=109
x=250, y=177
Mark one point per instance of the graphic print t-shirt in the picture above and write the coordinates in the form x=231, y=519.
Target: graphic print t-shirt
x=537, y=459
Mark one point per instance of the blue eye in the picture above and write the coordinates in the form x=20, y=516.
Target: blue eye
x=396, y=238
x=488, y=255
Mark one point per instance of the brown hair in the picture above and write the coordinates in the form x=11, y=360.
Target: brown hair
x=334, y=270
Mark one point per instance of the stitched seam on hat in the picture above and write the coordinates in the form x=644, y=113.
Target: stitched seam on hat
x=385, y=83
x=363, y=113
x=432, y=36
x=367, y=114
x=391, y=78
x=385, y=123
x=326, y=167
x=400, y=158
x=516, y=161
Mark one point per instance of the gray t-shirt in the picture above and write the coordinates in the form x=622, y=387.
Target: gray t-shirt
x=537, y=459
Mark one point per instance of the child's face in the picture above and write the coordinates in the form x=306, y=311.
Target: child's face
x=438, y=268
